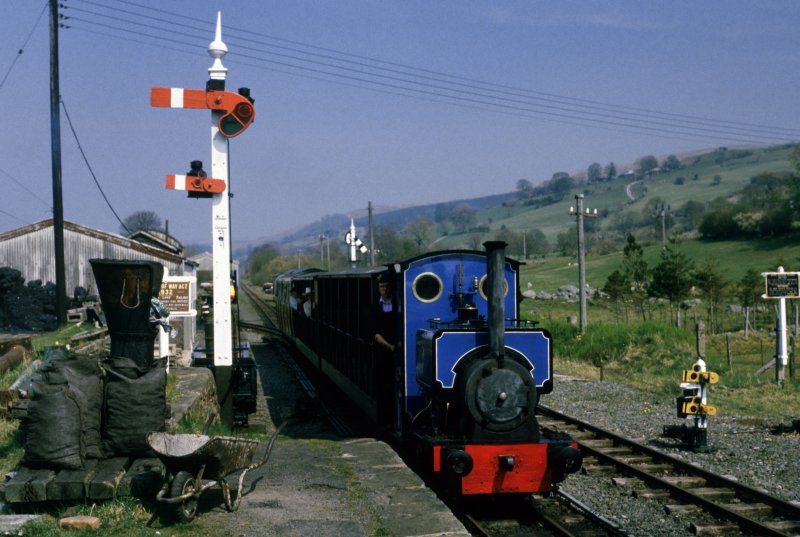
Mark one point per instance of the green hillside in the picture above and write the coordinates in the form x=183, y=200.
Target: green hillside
x=734, y=169
x=734, y=258
x=703, y=178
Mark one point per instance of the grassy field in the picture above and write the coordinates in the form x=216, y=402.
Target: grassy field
x=652, y=356
x=733, y=259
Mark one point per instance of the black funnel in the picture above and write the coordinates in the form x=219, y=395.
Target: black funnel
x=126, y=289
x=495, y=271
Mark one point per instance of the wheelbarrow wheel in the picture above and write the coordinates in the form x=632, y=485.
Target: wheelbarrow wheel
x=183, y=483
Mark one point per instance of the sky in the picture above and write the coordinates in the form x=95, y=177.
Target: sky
x=394, y=102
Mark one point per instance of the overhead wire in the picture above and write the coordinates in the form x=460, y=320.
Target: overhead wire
x=26, y=189
x=24, y=44
x=14, y=217
x=559, y=98
x=547, y=97
x=89, y=166
x=474, y=96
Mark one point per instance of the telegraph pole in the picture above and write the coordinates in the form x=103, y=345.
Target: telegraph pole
x=371, y=236
x=579, y=212
x=55, y=150
x=664, y=212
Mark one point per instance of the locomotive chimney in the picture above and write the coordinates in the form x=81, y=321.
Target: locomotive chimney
x=495, y=271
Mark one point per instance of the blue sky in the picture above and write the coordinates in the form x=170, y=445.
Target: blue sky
x=471, y=96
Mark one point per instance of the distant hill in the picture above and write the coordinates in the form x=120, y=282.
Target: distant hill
x=336, y=225
x=703, y=177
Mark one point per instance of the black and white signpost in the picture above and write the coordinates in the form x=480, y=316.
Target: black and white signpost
x=781, y=285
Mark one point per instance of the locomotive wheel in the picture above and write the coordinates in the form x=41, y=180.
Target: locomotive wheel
x=183, y=483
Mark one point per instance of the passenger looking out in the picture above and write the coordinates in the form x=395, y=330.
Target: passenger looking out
x=307, y=297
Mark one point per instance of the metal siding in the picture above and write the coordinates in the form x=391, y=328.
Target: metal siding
x=32, y=254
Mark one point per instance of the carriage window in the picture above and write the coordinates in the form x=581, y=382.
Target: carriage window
x=427, y=287
x=484, y=287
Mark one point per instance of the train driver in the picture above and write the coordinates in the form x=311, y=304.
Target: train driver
x=384, y=316
x=387, y=346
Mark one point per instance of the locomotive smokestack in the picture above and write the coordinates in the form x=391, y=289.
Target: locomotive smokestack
x=495, y=271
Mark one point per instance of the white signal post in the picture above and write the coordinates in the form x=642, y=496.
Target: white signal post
x=220, y=216
x=781, y=285
x=355, y=244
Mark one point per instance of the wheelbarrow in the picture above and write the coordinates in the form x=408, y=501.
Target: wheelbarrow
x=198, y=462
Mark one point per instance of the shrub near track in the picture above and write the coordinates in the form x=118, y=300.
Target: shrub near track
x=652, y=356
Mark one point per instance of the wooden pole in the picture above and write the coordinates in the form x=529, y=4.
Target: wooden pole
x=728, y=351
x=55, y=150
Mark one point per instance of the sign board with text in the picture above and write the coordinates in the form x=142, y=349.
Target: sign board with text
x=782, y=284
x=178, y=294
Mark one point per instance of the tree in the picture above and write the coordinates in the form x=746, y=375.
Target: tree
x=672, y=278
x=391, y=245
x=463, y=216
x=594, y=173
x=647, y=164
x=524, y=189
x=257, y=263
x=672, y=163
x=617, y=287
x=750, y=288
x=611, y=171
x=692, y=213
x=561, y=184
x=794, y=183
x=141, y=221
x=636, y=273
x=567, y=243
x=421, y=230
x=713, y=285
x=536, y=243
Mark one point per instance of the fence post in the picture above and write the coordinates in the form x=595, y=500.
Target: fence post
x=728, y=351
x=700, y=334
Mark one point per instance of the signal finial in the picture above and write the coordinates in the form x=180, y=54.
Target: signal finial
x=217, y=50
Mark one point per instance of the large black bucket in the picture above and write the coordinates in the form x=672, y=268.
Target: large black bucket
x=126, y=289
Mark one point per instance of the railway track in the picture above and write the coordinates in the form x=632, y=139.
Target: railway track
x=559, y=516
x=269, y=326
x=685, y=488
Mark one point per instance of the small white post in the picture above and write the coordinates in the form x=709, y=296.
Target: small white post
x=163, y=342
x=353, y=258
x=782, y=358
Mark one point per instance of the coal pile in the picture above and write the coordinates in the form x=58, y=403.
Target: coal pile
x=26, y=306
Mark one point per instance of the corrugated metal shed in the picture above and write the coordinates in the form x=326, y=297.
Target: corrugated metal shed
x=29, y=249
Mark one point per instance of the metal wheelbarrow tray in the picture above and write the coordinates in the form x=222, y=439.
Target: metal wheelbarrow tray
x=192, y=458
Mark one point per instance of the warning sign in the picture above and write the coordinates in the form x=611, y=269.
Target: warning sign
x=177, y=294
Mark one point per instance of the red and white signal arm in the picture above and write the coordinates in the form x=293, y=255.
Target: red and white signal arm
x=195, y=184
x=238, y=111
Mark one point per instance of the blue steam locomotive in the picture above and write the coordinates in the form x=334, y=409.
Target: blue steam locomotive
x=462, y=375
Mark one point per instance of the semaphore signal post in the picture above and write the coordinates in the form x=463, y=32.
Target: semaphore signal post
x=231, y=114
